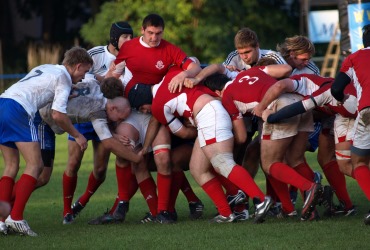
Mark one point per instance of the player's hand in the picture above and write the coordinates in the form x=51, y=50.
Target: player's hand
x=177, y=83
x=191, y=82
x=266, y=113
x=257, y=110
x=74, y=92
x=82, y=142
x=232, y=68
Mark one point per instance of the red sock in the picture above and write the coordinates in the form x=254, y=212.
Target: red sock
x=231, y=188
x=362, y=174
x=214, y=190
x=337, y=180
x=240, y=177
x=26, y=185
x=271, y=191
x=164, y=188
x=111, y=211
x=188, y=191
x=177, y=179
x=149, y=191
x=133, y=186
x=92, y=185
x=6, y=188
x=304, y=170
x=282, y=192
x=288, y=175
x=69, y=188
x=123, y=181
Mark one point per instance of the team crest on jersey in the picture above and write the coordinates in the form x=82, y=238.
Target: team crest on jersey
x=159, y=65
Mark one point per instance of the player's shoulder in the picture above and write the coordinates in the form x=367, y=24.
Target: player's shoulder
x=232, y=56
x=97, y=50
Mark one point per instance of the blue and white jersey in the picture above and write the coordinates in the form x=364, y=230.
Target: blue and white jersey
x=42, y=85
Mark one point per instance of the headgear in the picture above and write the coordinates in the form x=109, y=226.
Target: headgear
x=117, y=30
x=140, y=94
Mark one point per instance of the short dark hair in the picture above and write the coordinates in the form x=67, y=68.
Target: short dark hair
x=265, y=61
x=111, y=87
x=153, y=20
x=366, y=35
x=216, y=81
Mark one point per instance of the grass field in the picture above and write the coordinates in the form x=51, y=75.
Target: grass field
x=44, y=214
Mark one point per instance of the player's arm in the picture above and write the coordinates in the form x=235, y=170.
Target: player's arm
x=280, y=87
x=63, y=121
x=340, y=83
x=177, y=82
x=151, y=133
x=121, y=150
x=279, y=70
x=207, y=71
x=239, y=130
x=284, y=113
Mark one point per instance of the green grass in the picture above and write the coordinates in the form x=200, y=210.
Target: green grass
x=45, y=207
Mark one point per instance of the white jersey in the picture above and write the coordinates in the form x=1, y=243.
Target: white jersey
x=89, y=106
x=102, y=60
x=234, y=59
x=42, y=85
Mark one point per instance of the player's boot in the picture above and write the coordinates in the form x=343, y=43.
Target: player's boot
x=237, y=199
x=3, y=228
x=106, y=218
x=120, y=213
x=262, y=209
x=148, y=218
x=367, y=219
x=222, y=219
x=68, y=219
x=196, y=210
x=312, y=197
x=77, y=208
x=19, y=226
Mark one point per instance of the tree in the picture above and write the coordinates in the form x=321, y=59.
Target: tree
x=203, y=28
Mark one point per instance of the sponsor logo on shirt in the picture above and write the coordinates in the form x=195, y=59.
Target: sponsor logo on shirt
x=159, y=65
x=103, y=67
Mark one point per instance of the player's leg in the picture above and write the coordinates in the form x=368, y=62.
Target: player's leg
x=199, y=169
x=96, y=178
x=161, y=150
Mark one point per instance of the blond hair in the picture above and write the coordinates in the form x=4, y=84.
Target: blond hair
x=297, y=44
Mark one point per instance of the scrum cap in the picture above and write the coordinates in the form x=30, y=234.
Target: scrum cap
x=117, y=29
x=140, y=94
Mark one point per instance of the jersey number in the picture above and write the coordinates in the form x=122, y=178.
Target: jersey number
x=38, y=73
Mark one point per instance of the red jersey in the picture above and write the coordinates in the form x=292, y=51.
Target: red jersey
x=149, y=65
x=357, y=68
x=167, y=106
x=247, y=90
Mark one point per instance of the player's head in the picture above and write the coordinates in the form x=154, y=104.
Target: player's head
x=111, y=87
x=246, y=43
x=297, y=51
x=265, y=61
x=216, y=82
x=152, y=29
x=118, y=109
x=366, y=35
x=77, y=62
x=120, y=32
x=141, y=97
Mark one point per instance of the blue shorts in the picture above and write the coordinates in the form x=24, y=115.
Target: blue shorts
x=15, y=124
x=47, y=140
x=87, y=130
x=313, y=138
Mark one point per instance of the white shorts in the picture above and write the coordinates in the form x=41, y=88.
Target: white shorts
x=288, y=127
x=213, y=123
x=343, y=128
x=361, y=138
x=139, y=121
